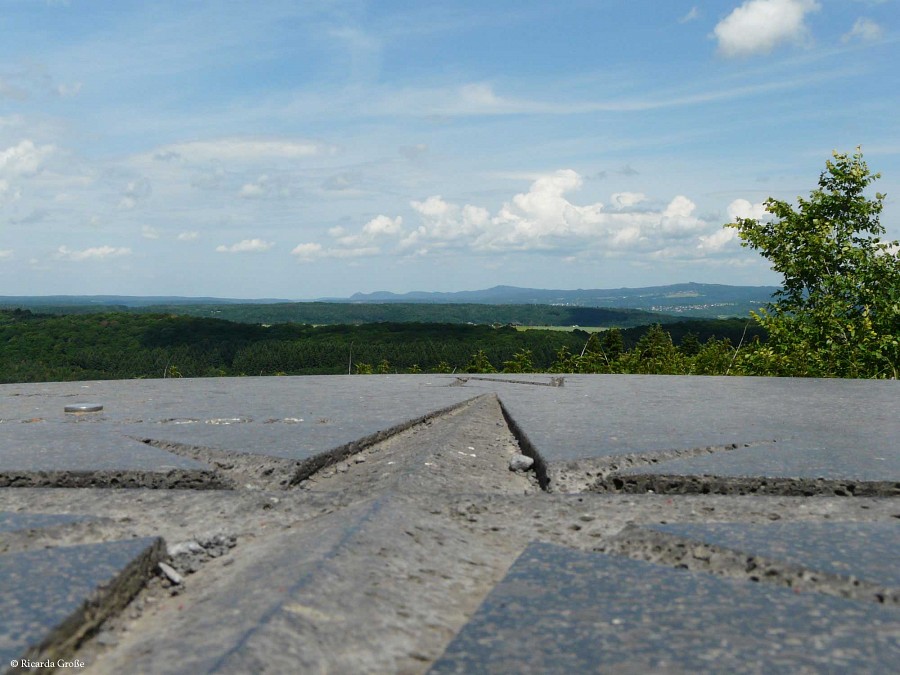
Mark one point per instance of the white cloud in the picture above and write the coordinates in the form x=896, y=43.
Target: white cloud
x=692, y=15
x=311, y=251
x=741, y=208
x=68, y=90
x=96, y=253
x=148, y=232
x=135, y=192
x=8, y=194
x=379, y=226
x=758, y=26
x=624, y=200
x=717, y=240
x=6, y=254
x=307, y=251
x=25, y=158
x=383, y=225
x=264, y=187
x=543, y=218
x=241, y=150
x=864, y=30
x=246, y=246
x=252, y=190
x=188, y=236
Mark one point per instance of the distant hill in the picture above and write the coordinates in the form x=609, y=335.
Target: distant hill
x=13, y=301
x=689, y=299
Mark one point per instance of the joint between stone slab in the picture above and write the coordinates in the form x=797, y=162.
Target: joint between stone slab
x=749, y=485
x=179, y=479
x=527, y=448
x=306, y=468
x=683, y=552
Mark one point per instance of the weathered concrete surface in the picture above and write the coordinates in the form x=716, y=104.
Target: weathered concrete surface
x=566, y=611
x=371, y=553
x=50, y=599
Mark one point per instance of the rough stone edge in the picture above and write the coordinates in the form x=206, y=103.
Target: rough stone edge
x=744, y=485
x=554, y=381
x=180, y=479
x=665, y=548
x=232, y=466
x=527, y=448
x=306, y=468
x=108, y=599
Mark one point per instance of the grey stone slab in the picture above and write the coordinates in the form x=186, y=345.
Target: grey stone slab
x=286, y=417
x=48, y=597
x=866, y=551
x=565, y=611
x=54, y=446
x=841, y=456
x=17, y=522
x=595, y=416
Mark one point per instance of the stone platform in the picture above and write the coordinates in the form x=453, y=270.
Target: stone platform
x=372, y=524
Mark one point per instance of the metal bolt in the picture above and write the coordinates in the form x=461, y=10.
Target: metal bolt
x=83, y=408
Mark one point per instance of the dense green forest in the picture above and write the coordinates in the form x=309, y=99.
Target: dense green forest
x=43, y=347
x=320, y=313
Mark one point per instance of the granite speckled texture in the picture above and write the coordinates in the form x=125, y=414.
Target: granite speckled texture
x=565, y=611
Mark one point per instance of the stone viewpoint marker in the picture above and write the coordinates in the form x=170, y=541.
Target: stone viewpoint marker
x=372, y=524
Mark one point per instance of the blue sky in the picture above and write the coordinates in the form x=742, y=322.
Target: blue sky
x=318, y=148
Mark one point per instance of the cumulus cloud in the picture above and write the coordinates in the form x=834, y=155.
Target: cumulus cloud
x=758, y=26
x=365, y=242
x=543, y=218
x=625, y=200
x=307, y=251
x=188, y=236
x=24, y=159
x=5, y=254
x=741, y=208
x=96, y=253
x=246, y=246
x=864, y=30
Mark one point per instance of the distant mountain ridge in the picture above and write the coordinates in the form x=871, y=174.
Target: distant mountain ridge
x=125, y=300
x=688, y=298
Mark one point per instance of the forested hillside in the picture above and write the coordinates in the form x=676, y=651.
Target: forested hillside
x=36, y=347
x=320, y=313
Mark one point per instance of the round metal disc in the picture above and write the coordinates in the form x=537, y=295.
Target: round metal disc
x=83, y=407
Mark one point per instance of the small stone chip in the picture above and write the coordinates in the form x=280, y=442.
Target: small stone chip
x=171, y=574
x=520, y=463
